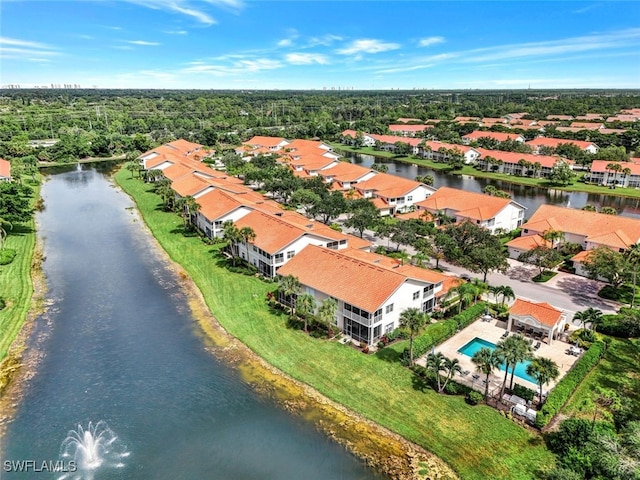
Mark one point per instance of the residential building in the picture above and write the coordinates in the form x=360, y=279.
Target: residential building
x=408, y=130
x=394, y=194
x=539, y=142
x=521, y=164
x=371, y=290
x=498, y=136
x=492, y=213
x=367, y=140
x=587, y=229
x=281, y=236
x=441, y=152
x=628, y=174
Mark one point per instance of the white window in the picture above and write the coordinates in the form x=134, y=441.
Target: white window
x=416, y=295
x=290, y=254
x=388, y=328
x=389, y=308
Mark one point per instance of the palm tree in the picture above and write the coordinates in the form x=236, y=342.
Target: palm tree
x=626, y=172
x=590, y=315
x=306, y=304
x=552, y=236
x=633, y=261
x=327, y=313
x=289, y=288
x=513, y=350
x=247, y=235
x=231, y=234
x=451, y=366
x=507, y=293
x=435, y=362
x=615, y=168
x=414, y=320
x=486, y=361
x=544, y=370
x=465, y=293
x=479, y=288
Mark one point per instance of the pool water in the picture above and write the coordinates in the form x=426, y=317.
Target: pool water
x=470, y=348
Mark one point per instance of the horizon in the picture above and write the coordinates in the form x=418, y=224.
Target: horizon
x=320, y=46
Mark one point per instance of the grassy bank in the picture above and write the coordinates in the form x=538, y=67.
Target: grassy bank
x=476, y=441
x=15, y=283
x=576, y=186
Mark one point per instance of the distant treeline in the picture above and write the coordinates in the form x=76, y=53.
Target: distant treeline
x=110, y=122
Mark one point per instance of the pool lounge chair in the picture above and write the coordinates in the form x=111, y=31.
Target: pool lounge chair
x=537, y=346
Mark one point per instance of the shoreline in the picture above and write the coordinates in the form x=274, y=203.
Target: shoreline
x=377, y=446
x=589, y=189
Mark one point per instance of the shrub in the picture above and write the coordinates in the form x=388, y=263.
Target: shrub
x=394, y=335
x=473, y=397
x=451, y=389
x=7, y=255
x=437, y=333
x=523, y=392
x=565, y=387
x=624, y=325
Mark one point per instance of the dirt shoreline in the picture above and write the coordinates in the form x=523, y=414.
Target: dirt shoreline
x=377, y=446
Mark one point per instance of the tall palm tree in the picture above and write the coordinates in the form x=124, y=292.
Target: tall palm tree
x=247, y=234
x=512, y=350
x=486, y=361
x=306, y=304
x=327, y=313
x=231, y=234
x=507, y=293
x=465, y=293
x=552, y=236
x=544, y=370
x=633, y=261
x=290, y=288
x=414, y=320
x=451, y=366
x=479, y=287
x=435, y=362
x=615, y=168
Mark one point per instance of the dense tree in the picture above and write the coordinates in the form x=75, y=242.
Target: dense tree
x=363, y=215
x=543, y=257
x=15, y=202
x=330, y=207
x=608, y=264
x=561, y=173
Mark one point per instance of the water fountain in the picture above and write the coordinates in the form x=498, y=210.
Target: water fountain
x=90, y=449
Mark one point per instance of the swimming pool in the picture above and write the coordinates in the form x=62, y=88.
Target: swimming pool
x=477, y=343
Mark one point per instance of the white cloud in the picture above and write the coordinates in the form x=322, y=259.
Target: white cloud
x=367, y=45
x=285, y=42
x=306, y=58
x=622, y=38
x=176, y=32
x=13, y=48
x=143, y=43
x=23, y=43
x=425, y=42
x=191, y=8
x=236, y=67
x=324, y=40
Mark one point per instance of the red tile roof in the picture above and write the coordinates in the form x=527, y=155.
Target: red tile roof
x=260, y=141
x=514, y=157
x=343, y=274
x=388, y=186
x=5, y=168
x=596, y=227
x=528, y=242
x=601, y=166
x=555, y=142
x=476, y=206
x=499, y=136
x=542, y=312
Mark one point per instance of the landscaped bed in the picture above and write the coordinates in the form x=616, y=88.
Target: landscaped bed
x=477, y=442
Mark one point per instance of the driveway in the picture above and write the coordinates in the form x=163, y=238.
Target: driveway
x=565, y=291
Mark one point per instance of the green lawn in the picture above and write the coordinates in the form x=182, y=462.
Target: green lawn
x=575, y=186
x=476, y=441
x=618, y=370
x=15, y=284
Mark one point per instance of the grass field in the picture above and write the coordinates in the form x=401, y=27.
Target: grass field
x=476, y=441
x=575, y=186
x=618, y=370
x=15, y=283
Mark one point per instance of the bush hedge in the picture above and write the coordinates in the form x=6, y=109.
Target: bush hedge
x=437, y=333
x=559, y=395
x=624, y=325
x=7, y=255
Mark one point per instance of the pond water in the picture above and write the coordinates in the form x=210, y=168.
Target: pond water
x=127, y=388
x=529, y=197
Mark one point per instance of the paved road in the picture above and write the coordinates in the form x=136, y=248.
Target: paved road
x=565, y=291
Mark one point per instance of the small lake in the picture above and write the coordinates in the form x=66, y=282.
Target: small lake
x=530, y=197
x=127, y=388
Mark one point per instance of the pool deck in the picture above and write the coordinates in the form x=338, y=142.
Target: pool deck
x=492, y=331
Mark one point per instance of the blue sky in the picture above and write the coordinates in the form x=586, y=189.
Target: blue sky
x=296, y=44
